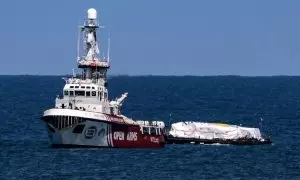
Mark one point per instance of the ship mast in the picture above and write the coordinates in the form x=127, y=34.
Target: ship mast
x=93, y=66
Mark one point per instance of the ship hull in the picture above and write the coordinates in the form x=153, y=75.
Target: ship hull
x=74, y=131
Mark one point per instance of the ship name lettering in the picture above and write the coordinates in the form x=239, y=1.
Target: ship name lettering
x=132, y=136
x=155, y=140
x=119, y=135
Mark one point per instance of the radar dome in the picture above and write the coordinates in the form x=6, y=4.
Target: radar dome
x=92, y=13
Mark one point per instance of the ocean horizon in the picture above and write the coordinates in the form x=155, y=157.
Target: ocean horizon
x=26, y=154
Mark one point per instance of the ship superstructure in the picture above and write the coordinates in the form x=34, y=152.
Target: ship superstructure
x=84, y=116
x=89, y=91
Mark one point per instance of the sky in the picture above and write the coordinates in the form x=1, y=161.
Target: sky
x=155, y=37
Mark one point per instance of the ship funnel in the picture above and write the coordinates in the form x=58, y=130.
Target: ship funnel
x=92, y=13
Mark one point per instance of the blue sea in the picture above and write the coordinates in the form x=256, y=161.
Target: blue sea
x=25, y=152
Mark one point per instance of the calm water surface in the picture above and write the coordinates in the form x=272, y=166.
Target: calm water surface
x=25, y=153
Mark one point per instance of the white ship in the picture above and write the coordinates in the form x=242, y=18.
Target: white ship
x=85, y=117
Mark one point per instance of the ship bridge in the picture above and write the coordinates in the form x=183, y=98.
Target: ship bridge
x=85, y=91
x=93, y=63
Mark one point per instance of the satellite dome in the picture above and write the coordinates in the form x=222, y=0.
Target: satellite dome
x=92, y=13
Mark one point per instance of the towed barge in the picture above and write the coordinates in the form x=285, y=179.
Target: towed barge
x=214, y=133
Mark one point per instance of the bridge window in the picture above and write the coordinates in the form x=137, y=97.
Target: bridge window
x=93, y=87
x=79, y=93
x=76, y=86
x=88, y=87
x=93, y=93
x=87, y=93
x=71, y=86
x=71, y=93
x=66, y=93
x=83, y=87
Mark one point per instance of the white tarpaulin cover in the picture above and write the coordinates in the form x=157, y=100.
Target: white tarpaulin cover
x=212, y=130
